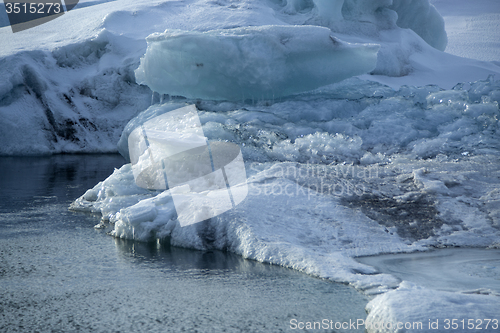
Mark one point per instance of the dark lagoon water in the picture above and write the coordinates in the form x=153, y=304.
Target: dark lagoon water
x=59, y=274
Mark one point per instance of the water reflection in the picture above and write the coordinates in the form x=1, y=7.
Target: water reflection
x=162, y=255
x=234, y=293
x=26, y=180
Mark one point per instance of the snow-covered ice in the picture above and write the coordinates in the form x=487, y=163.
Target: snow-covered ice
x=170, y=151
x=453, y=279
x=437, y=163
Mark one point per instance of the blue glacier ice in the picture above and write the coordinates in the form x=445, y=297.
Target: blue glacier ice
x=253, y=63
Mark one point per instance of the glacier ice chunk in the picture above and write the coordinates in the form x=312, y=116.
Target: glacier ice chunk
x=250, y=63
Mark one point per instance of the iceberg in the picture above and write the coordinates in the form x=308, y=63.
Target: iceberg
x=256, y=63
x=401, y=158
x=398, y=159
